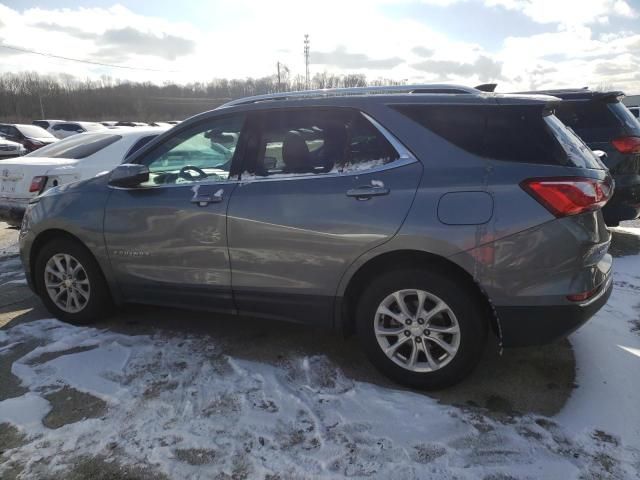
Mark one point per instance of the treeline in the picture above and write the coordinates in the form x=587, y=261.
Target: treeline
x=28, y=96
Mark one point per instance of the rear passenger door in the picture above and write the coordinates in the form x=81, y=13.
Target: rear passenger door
x=320, y=187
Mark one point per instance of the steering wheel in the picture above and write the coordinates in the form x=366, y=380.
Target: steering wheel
x=184, y=173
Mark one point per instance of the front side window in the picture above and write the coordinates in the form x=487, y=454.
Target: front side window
x=200, y=153
x=313, y=142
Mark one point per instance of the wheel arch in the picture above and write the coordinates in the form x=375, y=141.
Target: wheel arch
x=45, y=237
x=398, y=259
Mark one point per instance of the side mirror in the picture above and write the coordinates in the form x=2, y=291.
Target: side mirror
x=129, y=175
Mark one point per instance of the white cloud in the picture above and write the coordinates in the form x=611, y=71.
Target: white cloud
x=346, y=37
x=567, y=12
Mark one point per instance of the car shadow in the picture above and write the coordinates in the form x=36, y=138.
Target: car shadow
x=520, y=381
x=624, y=243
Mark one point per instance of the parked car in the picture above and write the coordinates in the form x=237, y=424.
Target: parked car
x=160, y=124
x=67, y=129
x=31, y=137
x=9, y=149
x=173, y=122
x=635, y=111
x=109, y=123
x=605, y=124
x=130, y=124
x=47, y=124
x=69, y=160
x=419, y=221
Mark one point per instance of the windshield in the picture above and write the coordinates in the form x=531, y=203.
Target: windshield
x=33, y=131
x=77, y=146
x=577, y=152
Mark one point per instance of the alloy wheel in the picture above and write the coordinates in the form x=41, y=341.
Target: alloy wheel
x=417, y=330
x=67, y=283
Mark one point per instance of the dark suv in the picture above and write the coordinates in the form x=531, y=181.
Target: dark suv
x=420, y=221
x=605, y=124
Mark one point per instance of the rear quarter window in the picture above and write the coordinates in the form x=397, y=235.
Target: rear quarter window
x=512, y=133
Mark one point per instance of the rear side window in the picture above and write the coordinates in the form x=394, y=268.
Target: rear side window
x=77, y=146
x=513, y=133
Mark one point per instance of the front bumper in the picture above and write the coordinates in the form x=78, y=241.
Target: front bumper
x=12, y=210
x=525, y=326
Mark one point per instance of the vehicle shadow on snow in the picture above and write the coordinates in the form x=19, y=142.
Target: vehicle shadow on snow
x=534, y=380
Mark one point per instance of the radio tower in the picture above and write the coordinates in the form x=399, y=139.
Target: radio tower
x=306, y=60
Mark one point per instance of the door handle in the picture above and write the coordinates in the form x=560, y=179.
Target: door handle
x=367, y=191
x=205, y=199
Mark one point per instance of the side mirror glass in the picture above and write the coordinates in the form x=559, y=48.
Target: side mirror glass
x=129, y=175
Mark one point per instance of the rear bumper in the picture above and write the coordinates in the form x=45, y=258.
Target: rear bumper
x=12, y=210
x=525, y=326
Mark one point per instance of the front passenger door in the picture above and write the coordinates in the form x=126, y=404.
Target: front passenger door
x=167, y=239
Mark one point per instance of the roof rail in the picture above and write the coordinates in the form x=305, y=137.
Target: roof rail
x=558, y=90
x=337, y=92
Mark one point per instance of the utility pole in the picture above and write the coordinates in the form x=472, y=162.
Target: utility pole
x=279, y=80
x=306, y=60
x=41, y=107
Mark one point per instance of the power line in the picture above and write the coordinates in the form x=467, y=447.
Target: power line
x=33, y=52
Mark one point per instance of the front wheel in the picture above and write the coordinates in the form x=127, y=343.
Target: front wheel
x=421, y=328
x=70, y=282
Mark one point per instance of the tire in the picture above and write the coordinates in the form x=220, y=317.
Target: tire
x=461, y=311
x=90, y=298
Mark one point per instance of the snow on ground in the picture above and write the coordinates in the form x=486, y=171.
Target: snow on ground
x=177, y=405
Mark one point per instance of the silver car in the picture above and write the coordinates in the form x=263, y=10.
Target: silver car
x=420, y=219
x=9, y=149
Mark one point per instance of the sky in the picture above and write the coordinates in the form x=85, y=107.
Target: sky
x=519, y=44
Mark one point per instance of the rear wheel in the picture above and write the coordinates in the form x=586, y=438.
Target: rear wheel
x=422, y=328
x=70, y=282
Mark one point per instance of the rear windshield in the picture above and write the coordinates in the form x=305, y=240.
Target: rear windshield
x=626, y=117
x=595, y=119
x=513, y=133
x=77, y=146
x=33, y=131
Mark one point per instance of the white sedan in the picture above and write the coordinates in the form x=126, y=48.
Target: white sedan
x=10, y=149
x=70, y=160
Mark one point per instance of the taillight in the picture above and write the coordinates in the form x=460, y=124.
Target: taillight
x=37, y=184
x=565, y=196
x=627, y=144
x=581, y=297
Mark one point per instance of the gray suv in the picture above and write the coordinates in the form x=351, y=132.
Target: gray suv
x=419, y=218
